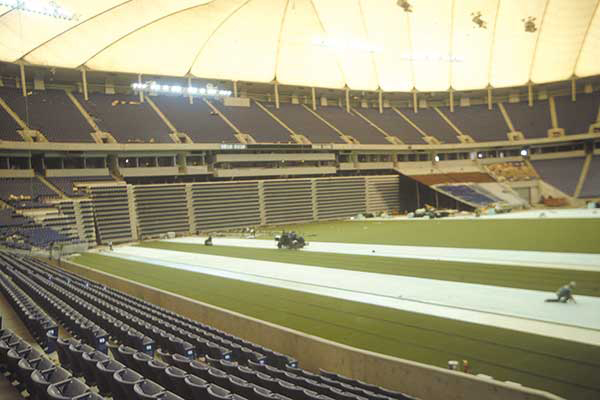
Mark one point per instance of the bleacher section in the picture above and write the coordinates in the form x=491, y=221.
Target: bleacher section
x=562, y=173
x=256, y=122
x=67, y=184
x=393, y=124
x=479, y=122
x=468, y=194
x=534, y=121
x=303, y=122
x=352, y=125
x=430, y=121
x=197, y=120
x=100, y=317
x=591, y=186
x=128, y=120
x=575, y=117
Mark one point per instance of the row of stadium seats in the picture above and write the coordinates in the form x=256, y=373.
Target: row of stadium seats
x=30, y=371
x=135, y=374
x=132, y=121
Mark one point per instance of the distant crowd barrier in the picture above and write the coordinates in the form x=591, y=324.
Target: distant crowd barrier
x=420, y=380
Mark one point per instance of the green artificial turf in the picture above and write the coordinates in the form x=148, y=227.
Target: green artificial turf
x=563, y=235
x=547, y=279
x=566, y=368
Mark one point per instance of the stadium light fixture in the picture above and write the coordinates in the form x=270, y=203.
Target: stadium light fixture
x=154, y=87
x=524, y=152
x=48, y=9
x=436, y=158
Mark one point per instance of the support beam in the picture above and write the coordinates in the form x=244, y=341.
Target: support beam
x=141, y=93
x=347, y=99
x=23, y=82
x=235, y=92
x=190, y=97
x=573, y=88
x=380, y=101
x=84, y=84
x=415, y=99
x=451, y=93
x=489, y=97
x=314, y=98
x=530, y=93
x=276, y=95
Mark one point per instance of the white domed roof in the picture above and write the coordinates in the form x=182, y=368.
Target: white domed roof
x=362, y=44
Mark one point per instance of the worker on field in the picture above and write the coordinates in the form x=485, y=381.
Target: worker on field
x=564, y=294
x=208, y=242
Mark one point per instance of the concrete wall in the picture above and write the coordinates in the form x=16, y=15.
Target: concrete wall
x=420, y=380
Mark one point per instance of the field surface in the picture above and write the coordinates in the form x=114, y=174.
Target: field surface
x=561, y=235
x=567, y=368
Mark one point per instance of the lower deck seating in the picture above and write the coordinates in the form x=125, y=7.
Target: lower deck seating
x=24, y=189
x=134, y=374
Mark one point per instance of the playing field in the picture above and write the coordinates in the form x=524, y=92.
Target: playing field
x=564, y=367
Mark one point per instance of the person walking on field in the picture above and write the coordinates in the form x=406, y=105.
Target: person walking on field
x=564, y=294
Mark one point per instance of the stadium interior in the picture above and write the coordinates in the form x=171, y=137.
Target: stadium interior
x=131, y=130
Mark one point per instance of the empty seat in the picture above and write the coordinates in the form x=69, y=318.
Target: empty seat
x=199, y=369
x=180, y=361
x=41, y=379
x=176, y=381
x=147, y=389
x=75, y=353
x=66, y=390
x=140, y=362
x=125, y=354
x=156, y=371
x=216, y=392
x=197, y=387
x=90, y=359
x=25, y=367
x=165, y=356
x=125, y=380
x=218, y=377
x=62, y=347
x=104, y=375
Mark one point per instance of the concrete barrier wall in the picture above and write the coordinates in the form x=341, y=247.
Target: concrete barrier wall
x=419, y=380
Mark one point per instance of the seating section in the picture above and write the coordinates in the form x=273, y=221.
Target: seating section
x=575, y=117
x=303, y=122
x=352, y=125
x=25, y=192
x=533, y=121
x=432, y=123
x=8, y=125
x=468, y=194
x=67, y=184
x=562, y=173
x=393, y=124
x=254, y=121
x=230, y=368
x=591, y=186
x=197, y=120
x=479, y=122
x=513, y=171
x=128, y=120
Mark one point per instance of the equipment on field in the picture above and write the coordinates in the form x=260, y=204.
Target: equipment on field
x=289, y=240
x=208, y=242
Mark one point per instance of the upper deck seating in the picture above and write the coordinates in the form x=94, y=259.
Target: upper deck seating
x=8, y=125
x=352, y=125
x=197, y=120
x=562, y=173
x=477, y=121
x=303, y=122
x=591, y=186
x=51, y=112
x=432, y=123
x=576, y=116
x=534, y=121
x=254, y=121
x=393, y=124
x=128, y=120
x=467, y=194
